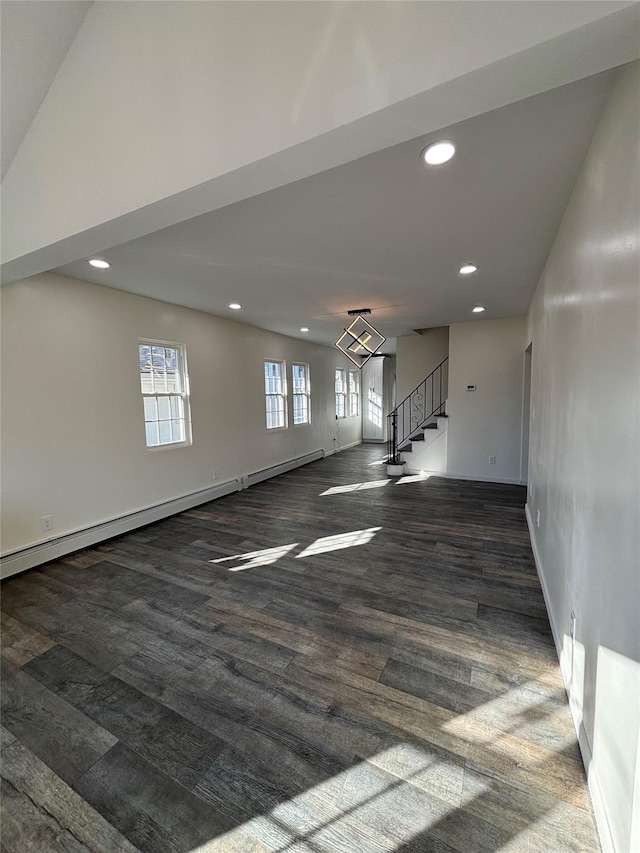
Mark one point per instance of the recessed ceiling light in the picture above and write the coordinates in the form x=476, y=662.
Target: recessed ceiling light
x=438, y=153
x=303, y=329
x=478, y=309
x=468, y=269
x=99, y=264
x=235, y=306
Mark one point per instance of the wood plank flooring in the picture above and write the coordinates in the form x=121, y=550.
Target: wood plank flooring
x=308, y=665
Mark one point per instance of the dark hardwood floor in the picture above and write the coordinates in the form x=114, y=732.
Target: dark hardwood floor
x=307, y=665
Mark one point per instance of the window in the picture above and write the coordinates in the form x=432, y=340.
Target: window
x=354, y=394
x=275, y=390
x=375, y=408
x=165, y=393
x=341, y=393
x=301, y=394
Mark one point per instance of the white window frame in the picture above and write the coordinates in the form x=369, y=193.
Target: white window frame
x=281, y=395
x=341, y=396
x=306, y=393
x=178, y=400
x=353, y=395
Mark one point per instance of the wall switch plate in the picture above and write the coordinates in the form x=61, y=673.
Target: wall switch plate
x=537, y=518
x=492, y=460
x=215, y=473
x=47, y=522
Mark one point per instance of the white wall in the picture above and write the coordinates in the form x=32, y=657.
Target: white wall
x=585, y=456
x=488, y=421
x=417, y=356
x=73, y=440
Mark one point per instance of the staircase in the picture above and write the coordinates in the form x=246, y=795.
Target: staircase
x=427, y=451
x=419, y=421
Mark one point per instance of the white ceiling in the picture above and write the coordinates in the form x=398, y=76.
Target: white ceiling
x=43, y=31
x=383, y=232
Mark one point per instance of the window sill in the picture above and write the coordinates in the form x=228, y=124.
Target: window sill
x=173, y=446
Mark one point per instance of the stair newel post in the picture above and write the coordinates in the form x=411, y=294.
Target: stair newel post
x=388, y=438
x=394, y=436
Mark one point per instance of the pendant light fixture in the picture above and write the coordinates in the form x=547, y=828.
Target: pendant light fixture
x=360, y=340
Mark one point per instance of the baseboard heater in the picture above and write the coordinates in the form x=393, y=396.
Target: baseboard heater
x=282, y=468
x=44, y=552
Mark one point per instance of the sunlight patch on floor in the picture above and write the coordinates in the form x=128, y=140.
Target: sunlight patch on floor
x=364, y=807
x=412, y=478
x=339, y=542
x=355, y=487
x=258, y=558
x=516, y=713
x=324, y=545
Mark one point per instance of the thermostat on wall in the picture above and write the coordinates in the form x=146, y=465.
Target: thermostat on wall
x=471, y=387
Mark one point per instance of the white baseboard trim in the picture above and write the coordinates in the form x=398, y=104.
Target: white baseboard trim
x=448, y=476
x=52, y=549
x=281, y=468
x=43, y=552
x=342, y=447
x=557, y=637
x=597, y=799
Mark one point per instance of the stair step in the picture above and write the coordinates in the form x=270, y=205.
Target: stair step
x=418, y=437
x=430, y=426
x=406, y=448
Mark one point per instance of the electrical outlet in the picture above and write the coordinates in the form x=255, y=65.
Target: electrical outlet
x=47, y=522
x=537, y=518
x=215, y=473
x=492, y=460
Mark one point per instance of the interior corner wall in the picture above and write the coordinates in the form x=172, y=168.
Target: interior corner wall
x=584, y=459
x=487, y=421
x=73, y=439
x=416, y=356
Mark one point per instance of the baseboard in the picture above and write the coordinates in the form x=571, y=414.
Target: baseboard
x=597, y=800
x=52, y=549
x=43, y=552
x=342, y=447
x=448, y=476
x=282, y=468
x=599, y=810
x=557, y=636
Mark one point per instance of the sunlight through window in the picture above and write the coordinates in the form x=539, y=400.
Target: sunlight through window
x=333, y=814
x=413, y=478
x=518, y=711
x=268, y=556
x=356, y=487
x=375, y=408
x=337, y=543
x=258, y=558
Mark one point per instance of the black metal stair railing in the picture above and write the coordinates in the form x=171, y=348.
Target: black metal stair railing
x=426, y=401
